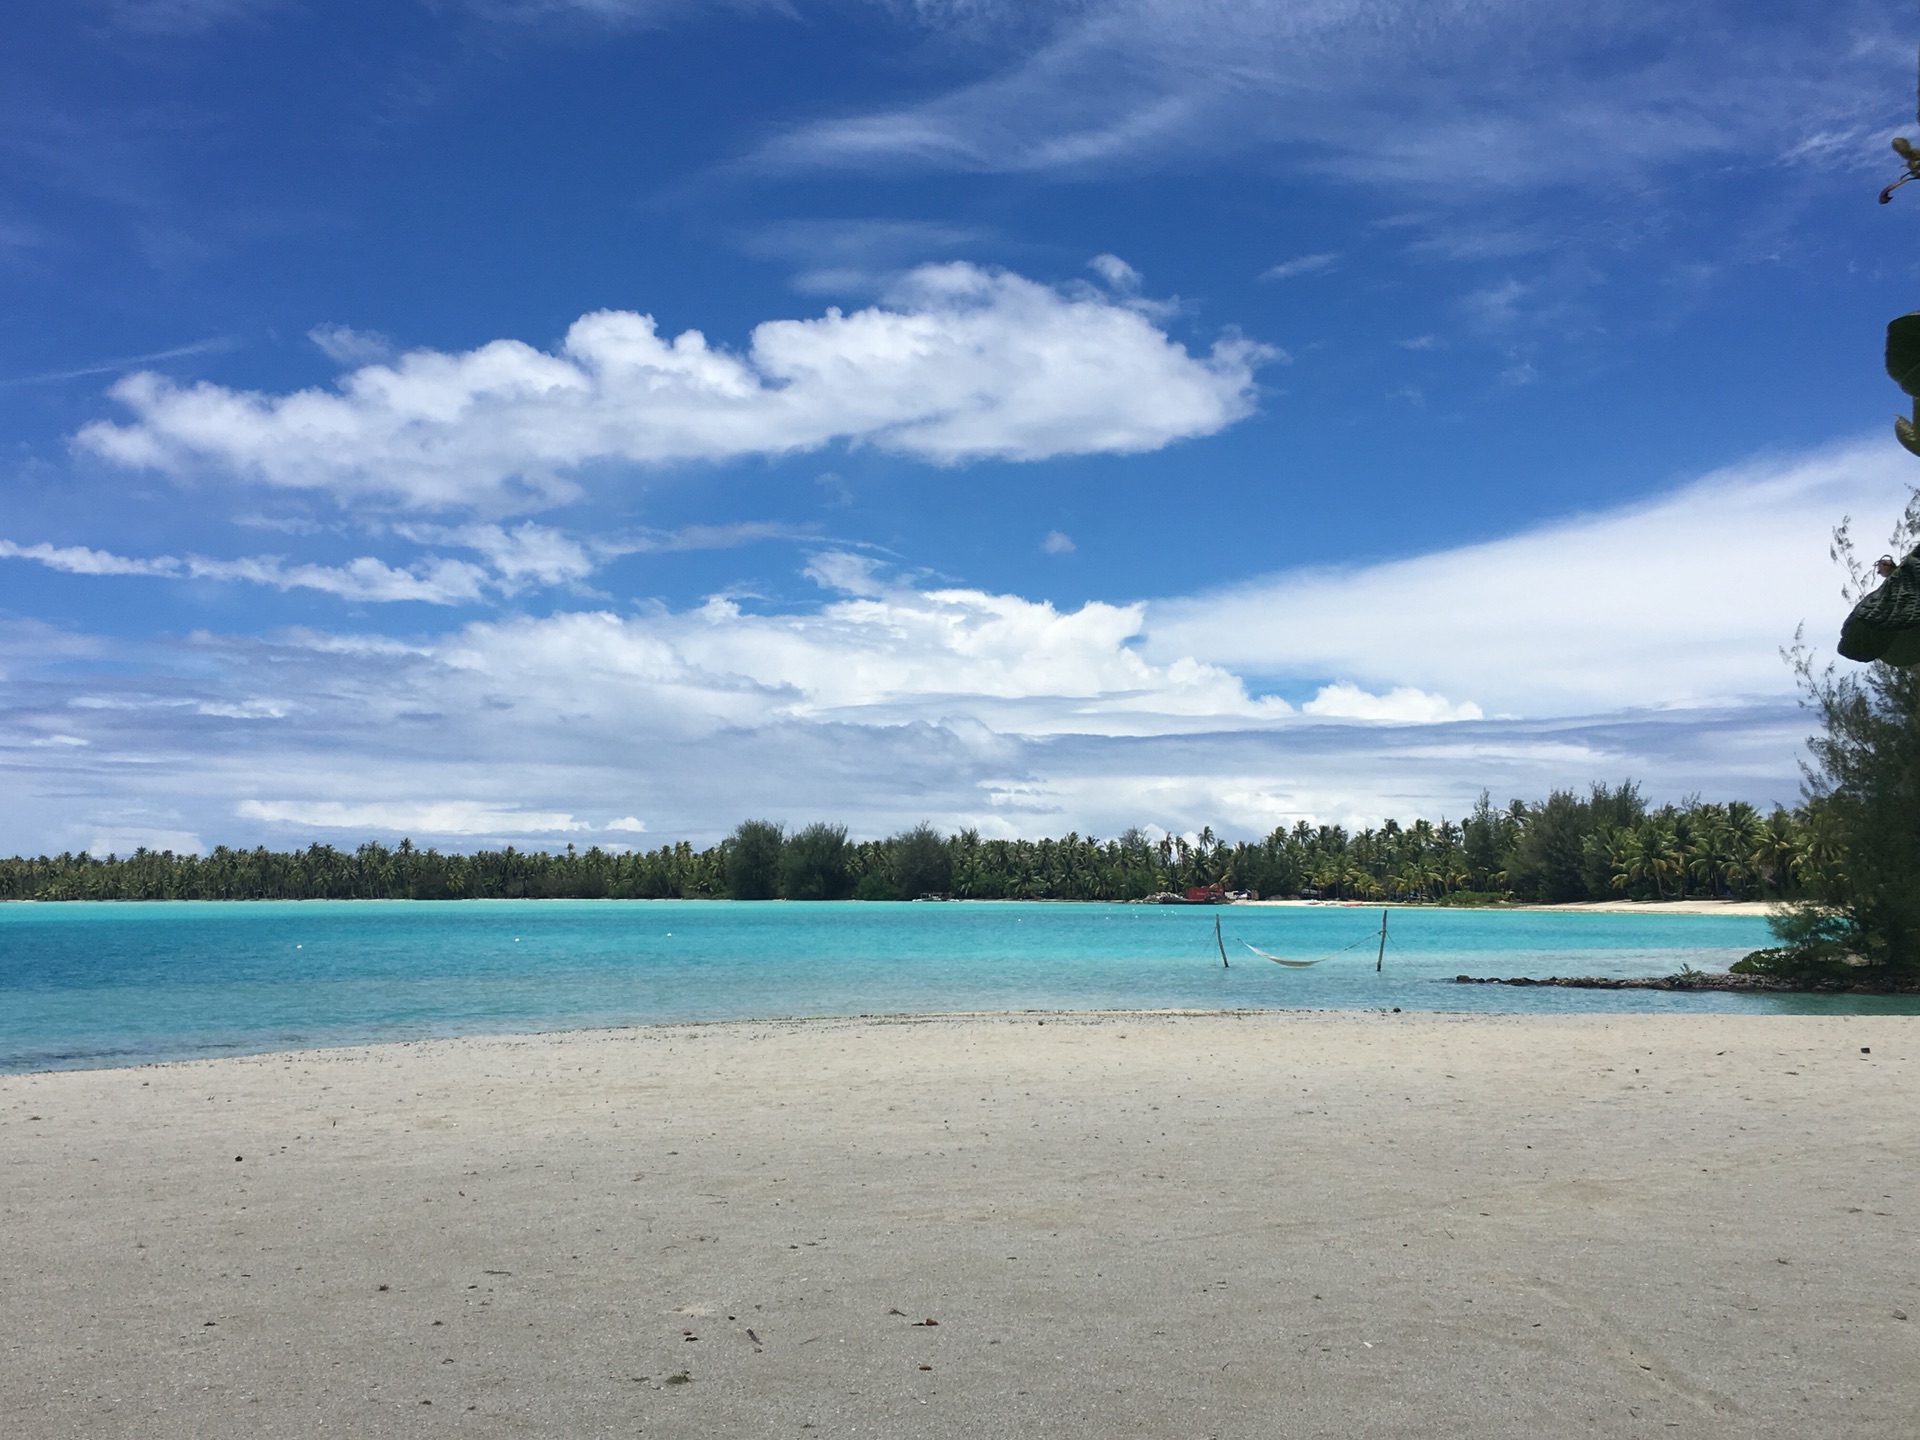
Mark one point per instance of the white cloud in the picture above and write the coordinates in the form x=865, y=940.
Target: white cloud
x=1344, y=701
x=435, y=581
x=966, y=364
x=710, y=537
x=435, y=817
x=344, y=345
x=1116, y=272
x=501, y=732
x=126, y=839
x=81, y=560
x=1639, y=642
x=1450, y=102
x=848, y=573
x=526, y=552
x=251, y=709
x=629, y=823
x=883, y=655
x=858, y=256
x=1057, y=542
x=1300, y=265
x=1685, y=599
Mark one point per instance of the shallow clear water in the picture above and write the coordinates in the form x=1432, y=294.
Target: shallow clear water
x=86, y=984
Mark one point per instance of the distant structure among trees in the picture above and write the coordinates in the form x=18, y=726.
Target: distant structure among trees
x=1605, y=844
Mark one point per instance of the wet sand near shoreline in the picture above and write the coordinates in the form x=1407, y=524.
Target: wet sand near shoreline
x=1321, y=1224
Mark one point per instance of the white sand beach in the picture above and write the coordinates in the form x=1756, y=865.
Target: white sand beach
x=1592, y=907
x=1153, y=1225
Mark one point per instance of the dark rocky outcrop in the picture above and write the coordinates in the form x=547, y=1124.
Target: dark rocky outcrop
x=1705, y=980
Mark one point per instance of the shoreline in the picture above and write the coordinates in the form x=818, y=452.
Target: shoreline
x=1596, y=907
x=1761, y=908
x=1125, y=1224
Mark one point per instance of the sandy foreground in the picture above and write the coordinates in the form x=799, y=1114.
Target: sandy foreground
x=1164, y=1225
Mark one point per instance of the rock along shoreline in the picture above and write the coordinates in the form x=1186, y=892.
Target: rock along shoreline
x=1701, y=980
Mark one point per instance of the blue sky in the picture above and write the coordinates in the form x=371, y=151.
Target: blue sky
x=601, y=420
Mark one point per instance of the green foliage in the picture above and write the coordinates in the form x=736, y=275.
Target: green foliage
x=753, y=855
x=1862, y=874
x=876, y=885
x=1564, y=848
x=817, y=864
x=1860, y=865
x=1582, y=848
x=922, y=863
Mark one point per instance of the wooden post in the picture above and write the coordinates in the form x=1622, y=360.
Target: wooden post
x=1221, y=943
x=1379, y=959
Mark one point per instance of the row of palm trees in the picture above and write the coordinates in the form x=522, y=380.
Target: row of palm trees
x=1607, y=844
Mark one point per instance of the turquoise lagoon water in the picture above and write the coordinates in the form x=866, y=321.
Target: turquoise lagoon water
x=85, y=984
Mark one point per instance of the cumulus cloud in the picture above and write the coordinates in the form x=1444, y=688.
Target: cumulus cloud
x=883, y=654
x=1638, y=642
x=1685, y=599
x=1057, y=542
x=516, y=732
x=1346, y=701
x=961, y=364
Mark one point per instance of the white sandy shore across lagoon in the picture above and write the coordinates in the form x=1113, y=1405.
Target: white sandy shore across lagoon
x=1167, y=1225
x=1572, y=907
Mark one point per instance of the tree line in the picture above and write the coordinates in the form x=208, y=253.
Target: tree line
x=1606, y=844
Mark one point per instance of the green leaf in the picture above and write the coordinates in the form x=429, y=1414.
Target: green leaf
x=1903, y=352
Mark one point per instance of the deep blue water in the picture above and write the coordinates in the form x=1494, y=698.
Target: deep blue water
x=112, y=984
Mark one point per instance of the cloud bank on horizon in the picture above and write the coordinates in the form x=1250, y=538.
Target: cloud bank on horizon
x=1036, y=418
x=1550, y=650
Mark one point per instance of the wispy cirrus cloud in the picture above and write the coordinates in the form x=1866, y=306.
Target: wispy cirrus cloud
x=151, y=18
x=435, y=581
x=513, y=559
x=125, y=363
x=1301, y=265
x=1639, y=606
x=964, y=364
x=1447, y=101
